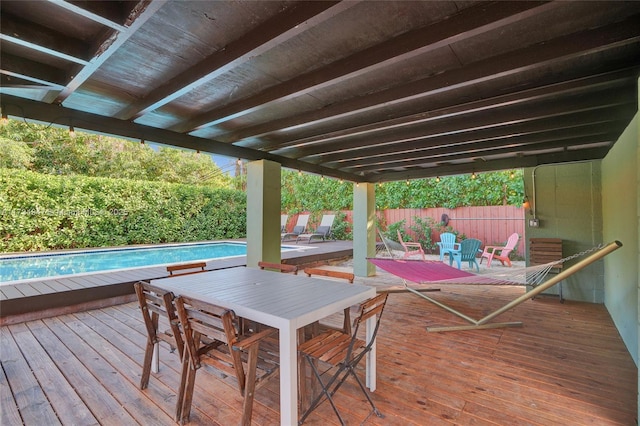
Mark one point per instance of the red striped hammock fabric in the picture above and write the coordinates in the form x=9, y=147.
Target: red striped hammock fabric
x=422, y=272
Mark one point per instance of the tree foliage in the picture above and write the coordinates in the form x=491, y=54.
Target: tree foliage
x=52, y=150
x=306, y=192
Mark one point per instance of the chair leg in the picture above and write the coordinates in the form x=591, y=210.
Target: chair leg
x=364, y=390
x=146, y=365
x=249, y=391
x=187, y=394
x=183, y=382
x=324, y=392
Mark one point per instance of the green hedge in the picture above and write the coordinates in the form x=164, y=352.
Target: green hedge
x=46, y=212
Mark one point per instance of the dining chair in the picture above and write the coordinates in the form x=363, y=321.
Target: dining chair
x=212, y=337
x=154, y=304
x=331, y=274
x=342, y=352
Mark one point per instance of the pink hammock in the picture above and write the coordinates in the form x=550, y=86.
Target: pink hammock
x=421, y=272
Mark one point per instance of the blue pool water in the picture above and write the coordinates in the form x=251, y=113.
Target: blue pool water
x=50, y=265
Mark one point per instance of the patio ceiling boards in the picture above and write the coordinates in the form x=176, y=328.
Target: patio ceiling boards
x=360, y=90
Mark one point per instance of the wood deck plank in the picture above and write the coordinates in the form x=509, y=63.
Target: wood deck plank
x=121, y=353
x=97, y=356
x=30, y=399
x=9, y=414
x=87, y=372
x=65, y=402
x=58, y=286
x=42, y=288
x=26, y=289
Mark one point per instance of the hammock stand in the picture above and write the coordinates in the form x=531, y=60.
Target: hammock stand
x=484, y=323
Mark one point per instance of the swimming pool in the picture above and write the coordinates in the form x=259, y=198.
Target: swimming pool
x=38, y=265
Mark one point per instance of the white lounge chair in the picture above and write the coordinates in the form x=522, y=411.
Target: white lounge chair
x=300, y=228
x=323, y=231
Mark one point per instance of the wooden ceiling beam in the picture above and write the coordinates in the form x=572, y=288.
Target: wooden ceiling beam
x=534, y=115
x=43, y=40
x=507, y=145
x=62, y=116
x=468, y=23
x=138, y=16
x=491, y=165
x=107, y=13
x=604, y=81
x=543, y=55
x=262, y=38
x=35, y=72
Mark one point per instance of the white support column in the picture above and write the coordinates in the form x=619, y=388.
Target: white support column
x=364, y=228
x=263, y=212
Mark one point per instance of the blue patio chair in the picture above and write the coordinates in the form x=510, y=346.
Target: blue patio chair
x=447, y=244
x=467, y=253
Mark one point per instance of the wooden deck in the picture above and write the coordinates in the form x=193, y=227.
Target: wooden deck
x=566, y=366
x=33, y=299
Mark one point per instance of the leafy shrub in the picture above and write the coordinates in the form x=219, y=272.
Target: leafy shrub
x=46, y=212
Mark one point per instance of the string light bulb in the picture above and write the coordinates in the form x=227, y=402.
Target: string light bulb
x=4, y=120
x=408, y=183
x=141, y=141
x=322, y=178
x=512, y=175
x=438, y=179
x=473, y=175
x=72, y=132
x=526, y=204
x=299, y=172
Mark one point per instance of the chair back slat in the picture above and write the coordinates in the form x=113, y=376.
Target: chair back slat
x=368, y=309
x=207, y=329
x=329, y=273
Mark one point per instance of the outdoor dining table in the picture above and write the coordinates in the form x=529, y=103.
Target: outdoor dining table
x=283, y=301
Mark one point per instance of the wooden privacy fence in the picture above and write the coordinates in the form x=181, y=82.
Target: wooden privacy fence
x=492, y=225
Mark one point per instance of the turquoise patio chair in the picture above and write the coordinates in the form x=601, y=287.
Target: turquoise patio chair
x=447, y=244
x=467, y=253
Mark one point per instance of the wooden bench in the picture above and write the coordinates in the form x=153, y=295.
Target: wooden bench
x=330, y=274
x=175, y=270
x=282, y=267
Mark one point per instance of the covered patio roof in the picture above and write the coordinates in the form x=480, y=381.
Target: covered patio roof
x=365, y=91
